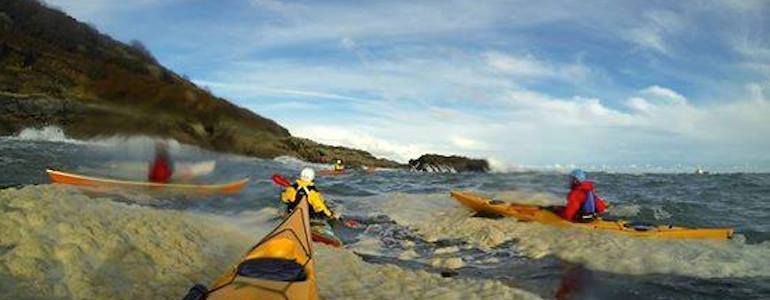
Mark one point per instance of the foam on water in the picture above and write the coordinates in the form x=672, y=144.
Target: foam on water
x=438, y=217
x=361, y=280
x=57, y=243
x=60, y=244
x=627, y=210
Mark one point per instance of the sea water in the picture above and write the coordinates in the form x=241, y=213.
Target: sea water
x=59, y=242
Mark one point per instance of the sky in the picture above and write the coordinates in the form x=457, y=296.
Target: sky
x=600, y=84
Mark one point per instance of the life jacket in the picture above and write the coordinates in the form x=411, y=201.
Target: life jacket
x=301, y=189
x=160, y=170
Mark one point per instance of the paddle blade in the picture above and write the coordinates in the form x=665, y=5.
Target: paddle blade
x=280, y=180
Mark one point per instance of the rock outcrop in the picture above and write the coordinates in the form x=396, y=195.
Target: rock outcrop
x=448, y=164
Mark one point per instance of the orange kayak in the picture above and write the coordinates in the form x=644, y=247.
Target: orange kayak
x=280, y=266
x=331, y=172
x=80, y=180
x=533, y=213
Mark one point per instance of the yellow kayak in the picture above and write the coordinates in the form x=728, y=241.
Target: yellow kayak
x=80, y=180
x=280, y=266
x=533, y=213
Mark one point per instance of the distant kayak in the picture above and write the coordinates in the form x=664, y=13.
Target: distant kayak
x=331, y=172
x=281, y=266
x=543, y=215
x=80, y=180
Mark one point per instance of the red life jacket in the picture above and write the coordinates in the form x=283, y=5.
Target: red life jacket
x=577, y=197
x=160, y=170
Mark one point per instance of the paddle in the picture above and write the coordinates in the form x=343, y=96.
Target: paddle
x=283, y=182
x=280, y=180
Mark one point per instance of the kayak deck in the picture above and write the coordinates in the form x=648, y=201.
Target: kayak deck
x=280, y=266
x=533, y=213
x=80, y=180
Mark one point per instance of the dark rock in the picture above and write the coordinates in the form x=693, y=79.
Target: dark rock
x=448, y=164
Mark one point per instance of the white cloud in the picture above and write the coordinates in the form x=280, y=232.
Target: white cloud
x=663, y=93
x=518, y=65
x=241, y=88
x=639, y=104
x=345, y=136
x=655, y=27
x=528, y=66
x=89, y=9
x=648, y=38
x=466, y=143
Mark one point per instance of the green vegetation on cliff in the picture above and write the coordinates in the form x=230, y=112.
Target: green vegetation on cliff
x=55, y=70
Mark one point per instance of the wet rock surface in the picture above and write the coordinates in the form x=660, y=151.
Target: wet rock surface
x=448, y=164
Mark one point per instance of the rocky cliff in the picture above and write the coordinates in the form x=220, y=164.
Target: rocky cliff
x=55, y=70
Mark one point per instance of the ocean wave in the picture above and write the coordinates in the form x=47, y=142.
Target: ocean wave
x=47, y=134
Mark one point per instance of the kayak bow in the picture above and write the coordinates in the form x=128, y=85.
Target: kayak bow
x=533, y=213
x=280, y=266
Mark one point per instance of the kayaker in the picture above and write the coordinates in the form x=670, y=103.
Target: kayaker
x=161, y=168
x=338, y=166
x=305, y=187
x=583, y=205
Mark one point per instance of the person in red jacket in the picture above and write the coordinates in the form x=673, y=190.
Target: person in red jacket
x=161, y=168
x=583, y=205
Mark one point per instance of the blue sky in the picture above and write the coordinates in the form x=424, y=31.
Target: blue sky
x=591, y=83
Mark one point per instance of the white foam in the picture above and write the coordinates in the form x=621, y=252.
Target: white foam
x=343, y=275
x=56, y=243
x=48, y=133
x=660, y=214
x=60, y=244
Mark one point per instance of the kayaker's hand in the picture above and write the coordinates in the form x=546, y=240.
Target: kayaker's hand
x=336, y=216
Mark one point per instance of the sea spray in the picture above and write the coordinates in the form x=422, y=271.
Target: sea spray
x=48, y=134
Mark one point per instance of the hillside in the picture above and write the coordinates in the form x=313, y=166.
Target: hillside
x=58, y=71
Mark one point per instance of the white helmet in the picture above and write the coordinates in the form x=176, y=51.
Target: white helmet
x=307, y=174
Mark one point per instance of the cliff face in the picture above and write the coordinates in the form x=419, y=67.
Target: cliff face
x=448, y=164
x=55, y=70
